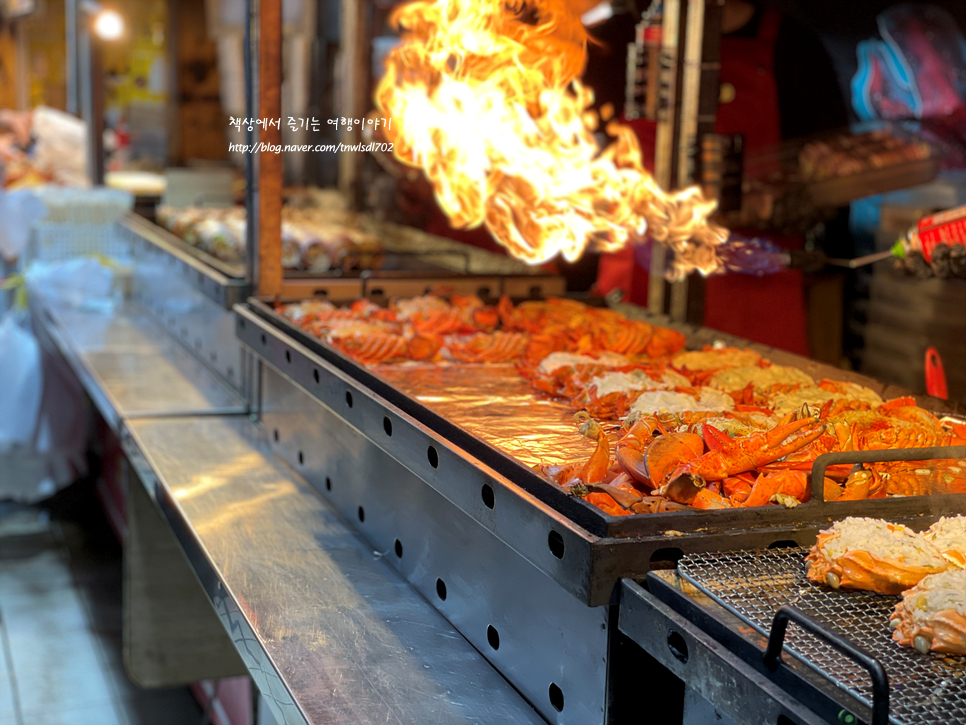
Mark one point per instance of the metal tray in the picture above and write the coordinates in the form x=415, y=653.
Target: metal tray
x=412, y=260
x=575, y=543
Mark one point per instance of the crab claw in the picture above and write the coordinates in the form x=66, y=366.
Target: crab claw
x=594, y=470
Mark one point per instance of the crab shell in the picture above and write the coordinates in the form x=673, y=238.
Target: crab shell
x=859, y=569
x=945, y=630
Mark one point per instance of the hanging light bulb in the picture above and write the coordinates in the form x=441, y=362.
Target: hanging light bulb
x=105, y=23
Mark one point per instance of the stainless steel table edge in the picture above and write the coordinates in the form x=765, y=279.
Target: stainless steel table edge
x=224, y=289
x=95, y=387
x=236, y=624
x=262, y=666
x=550, y=541
x=47, y=330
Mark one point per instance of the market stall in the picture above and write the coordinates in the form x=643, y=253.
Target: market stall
x=418, y=481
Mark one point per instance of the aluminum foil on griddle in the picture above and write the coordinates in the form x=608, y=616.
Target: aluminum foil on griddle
x=493, y=403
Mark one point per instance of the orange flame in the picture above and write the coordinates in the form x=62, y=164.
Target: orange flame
x=486, y=102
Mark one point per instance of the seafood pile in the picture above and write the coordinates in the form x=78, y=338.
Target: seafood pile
x=672, y=429
x=928, y=569
x=724, y=428
x=463, y=329
x=313, y=240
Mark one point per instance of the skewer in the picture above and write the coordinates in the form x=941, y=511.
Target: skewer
x=814, y=261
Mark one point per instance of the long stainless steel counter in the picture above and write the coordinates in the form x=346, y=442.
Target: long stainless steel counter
x=129, y=365
x=329, y=632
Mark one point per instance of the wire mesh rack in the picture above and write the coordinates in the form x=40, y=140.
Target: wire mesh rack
x=755, y=584
x=56, y=241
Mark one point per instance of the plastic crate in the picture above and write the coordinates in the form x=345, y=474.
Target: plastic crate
x=84, y=206
x=55, y=241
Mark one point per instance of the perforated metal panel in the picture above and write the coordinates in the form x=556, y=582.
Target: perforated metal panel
x=754, y=584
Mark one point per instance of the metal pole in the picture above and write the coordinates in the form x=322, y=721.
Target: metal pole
x=88, y=88
x=665, y=141
x=354, y=49
x=687, y=140
x=95, y=127
x=73, y=102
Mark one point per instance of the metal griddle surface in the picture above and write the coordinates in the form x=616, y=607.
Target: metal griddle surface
x=755, y=584
x=495, y=404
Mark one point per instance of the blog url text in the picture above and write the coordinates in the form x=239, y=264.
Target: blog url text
x=332, y=148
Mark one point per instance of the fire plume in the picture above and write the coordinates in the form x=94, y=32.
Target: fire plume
x=487, y=102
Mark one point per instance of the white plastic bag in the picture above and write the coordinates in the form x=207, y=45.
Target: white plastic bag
x=18, y=211
x=44, y=417
x=81, y=282
x=60, y=146
x=21, y=384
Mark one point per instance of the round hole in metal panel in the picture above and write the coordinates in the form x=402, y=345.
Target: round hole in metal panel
x=315, y=374
x=397, y=547
x=492, y=636
x=362, y=514
x=666, y=558
x=348, y=398
x=441, y=589
x=556, y=543
x=328, y=483
x=487, y=495
x=433, y=457
x=387, y=425
x=275, y=435
x=556, y=697
x=677, y=645
x=301, y=458
x=288, y=356
x=264, y=340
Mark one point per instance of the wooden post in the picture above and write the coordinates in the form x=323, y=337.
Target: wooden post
x=268, y=215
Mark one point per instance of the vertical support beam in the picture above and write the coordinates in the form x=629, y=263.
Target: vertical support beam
x=688, y=138
x=268, y=219
x=666, y=140
x=23, y=65
x=95, y=124
x=91, y=87
x=355, y=93
x=70, y=19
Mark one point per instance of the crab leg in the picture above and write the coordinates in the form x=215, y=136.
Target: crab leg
x=746, y=454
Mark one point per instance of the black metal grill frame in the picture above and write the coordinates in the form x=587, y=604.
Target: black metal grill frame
x=755, y=585
x=596, y=521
